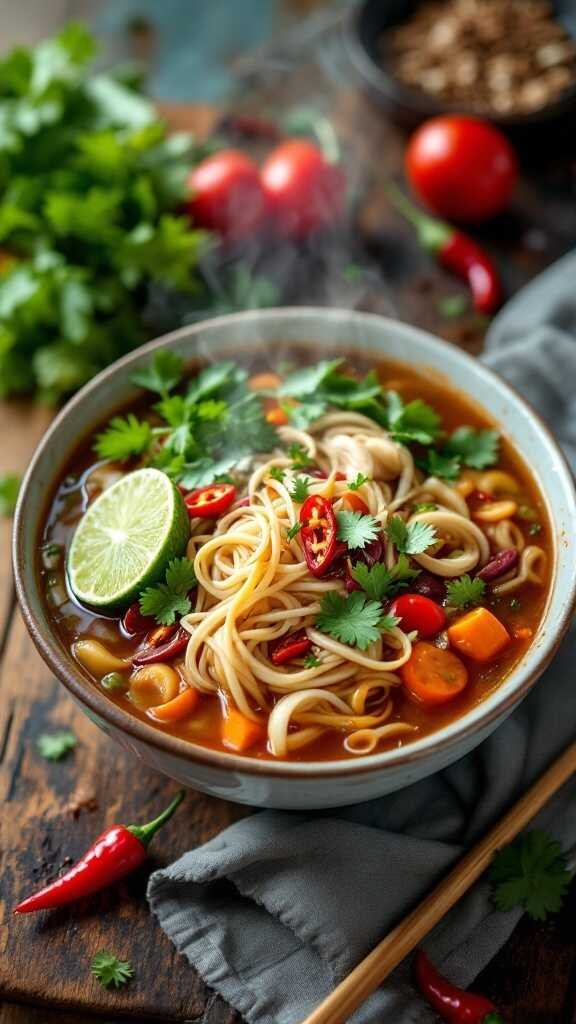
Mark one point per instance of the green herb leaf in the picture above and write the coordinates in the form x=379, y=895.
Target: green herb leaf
x=299, y=491
x=9, y=487
x=411, y=539
x=300, y=456
x=111, y=972
x=163, y=374
x=123, y=438
x=534, y=529
x=277, y=473
x=55, y=745
x=311, y=661
x=355, y=485
x=302, y=416
x=294, y=530
x=308, y=380
x=425, y=506
x=379, y=582
x=356, y=529
x=475, y=448
x=465, y=592
x=452, y=305
x=447, y=467
x=204, y=472
x=416, y=422
x=167, y=600
x=531, y=873
x=353, y=620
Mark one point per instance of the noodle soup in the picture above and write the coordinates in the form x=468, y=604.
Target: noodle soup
x=314, y=565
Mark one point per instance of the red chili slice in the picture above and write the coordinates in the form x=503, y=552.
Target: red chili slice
x=134, y=622
x=420, y=613
x=210, y=502
x=289, y=647
x=318, y=534
x=175, y=645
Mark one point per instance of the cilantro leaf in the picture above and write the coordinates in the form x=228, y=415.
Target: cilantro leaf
x=124, y=437
x=205, y=471
x=411, y=539
x=435, y=463
x=167, y=600
x=55, y=745
x=300, y=456
x=416, y=422
x=9, y=487
x=475, y=448
x=353, y=620
x=311, y=661
x=465, y=591
x=308, y=380
x=277, y=473
x=299, y=491
x=356, y=529
x=355, y=485
x=531, y=873
x=109, y=971
x=425, y=506
x=163, y=374
x=213, y=379
x=379, y=582
x=302, y=416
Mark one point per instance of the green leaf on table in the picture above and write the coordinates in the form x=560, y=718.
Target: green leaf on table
x=9, y=487
x=55, y=745
x=110, y=971
x=532, y=873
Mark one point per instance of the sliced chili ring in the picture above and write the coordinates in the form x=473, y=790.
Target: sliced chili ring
x=318, y=534
x=210, y=502
x=287, y=648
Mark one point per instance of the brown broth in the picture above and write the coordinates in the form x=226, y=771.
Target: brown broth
x=72, y=622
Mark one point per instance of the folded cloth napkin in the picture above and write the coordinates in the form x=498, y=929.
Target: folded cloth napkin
x=274, y=911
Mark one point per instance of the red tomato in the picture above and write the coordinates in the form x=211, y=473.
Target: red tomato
x=226, y=195
x=289, y=647
x=420, y=613
x=318, y=534
x=462, y=168
x=304, y=191
x=210, y=502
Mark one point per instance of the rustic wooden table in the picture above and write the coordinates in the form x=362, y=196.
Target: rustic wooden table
x=51, y=811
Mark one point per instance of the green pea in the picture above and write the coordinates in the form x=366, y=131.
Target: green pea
x=113, y=682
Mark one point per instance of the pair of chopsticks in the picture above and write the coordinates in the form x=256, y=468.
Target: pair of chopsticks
x=375, y=968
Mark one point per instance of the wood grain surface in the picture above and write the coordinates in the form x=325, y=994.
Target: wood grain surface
x=52, y=811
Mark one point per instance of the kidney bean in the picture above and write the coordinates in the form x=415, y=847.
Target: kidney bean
x=175, y=645
x=429, y=586
x=134, y=622
x=500, y=564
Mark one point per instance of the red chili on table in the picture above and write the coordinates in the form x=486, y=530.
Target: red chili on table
x=318, y=534
x=295, y=645
x=114, y=854
x=210, y=502
x=454, y=1005
x=420, y=613
x=456, y=251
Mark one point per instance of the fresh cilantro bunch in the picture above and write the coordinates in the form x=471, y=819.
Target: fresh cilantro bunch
x=168, y=599
x=90, y=193
x=202, y=433
x=478, y=449
x=532, y=873
x=354, y=620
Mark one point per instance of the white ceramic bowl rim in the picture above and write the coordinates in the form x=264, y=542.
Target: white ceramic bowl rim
x=515, y=686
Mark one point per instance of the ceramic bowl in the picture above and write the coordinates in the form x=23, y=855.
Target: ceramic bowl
x=327, y=333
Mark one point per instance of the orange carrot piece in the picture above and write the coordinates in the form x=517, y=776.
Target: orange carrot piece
x=240, y=733
x=264, y=382
x=277, y=417
x=179, y=707
x=522, y=632
x=479, y=635
x=354, y=501
x=432, y=676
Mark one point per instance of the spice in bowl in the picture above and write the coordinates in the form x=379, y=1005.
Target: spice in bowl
x=505, y=57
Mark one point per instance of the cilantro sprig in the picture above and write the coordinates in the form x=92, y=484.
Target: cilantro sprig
x=465, y=592
x=356, y=529
x=110, y=971
x=410, y=538
x=299, y=492
x=125, y=436
x=532, y=873
x=380, y=583
x=167, y=600
x=54, y=746
x=353, y=620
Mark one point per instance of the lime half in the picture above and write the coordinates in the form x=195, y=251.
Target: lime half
x=125, y=540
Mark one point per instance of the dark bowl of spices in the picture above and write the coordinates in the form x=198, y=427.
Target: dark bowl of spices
x=510, y=61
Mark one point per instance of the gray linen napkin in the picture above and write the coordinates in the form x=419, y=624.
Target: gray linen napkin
x=274, y=911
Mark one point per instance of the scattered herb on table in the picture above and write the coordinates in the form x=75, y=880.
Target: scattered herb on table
x=55, y=745
x=9, y=487
x=111, y=972
x=117, y=852
x=167, y=600
x=531, y=873
x=465, y=592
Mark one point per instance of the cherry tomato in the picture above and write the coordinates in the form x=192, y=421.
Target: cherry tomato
x=226, y=195
x=462, y=168
x=318, y=534
x=210, y=502
x=289, y=647
x=420, y=613
x=304, y=191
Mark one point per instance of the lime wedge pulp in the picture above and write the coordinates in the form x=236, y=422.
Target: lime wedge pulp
x=125, y=540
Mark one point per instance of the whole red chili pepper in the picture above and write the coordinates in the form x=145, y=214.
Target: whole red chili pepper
x=456, y=251
x=453, y=1004
x=114, y=854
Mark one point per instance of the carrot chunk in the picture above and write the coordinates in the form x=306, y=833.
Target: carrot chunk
x=432, y=676
x=277, y=417
x=240, y=733
x=181, y=706
x=479, y=635
x=264, y=382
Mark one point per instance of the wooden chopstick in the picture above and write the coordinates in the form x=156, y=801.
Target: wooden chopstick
x=375, y=968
